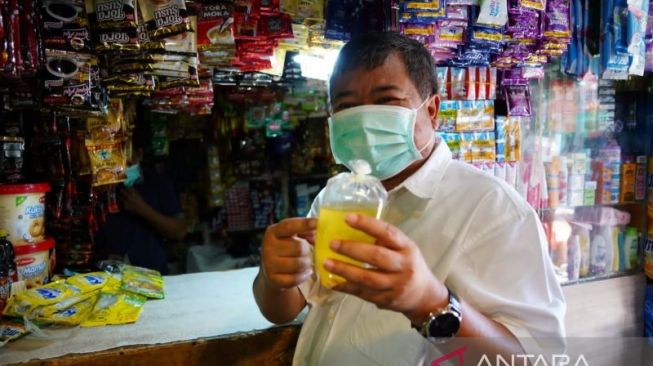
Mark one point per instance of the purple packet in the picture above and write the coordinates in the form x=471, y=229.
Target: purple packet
x=463, y=2
x=458, y=12
x=557, y=23
x=517, y=100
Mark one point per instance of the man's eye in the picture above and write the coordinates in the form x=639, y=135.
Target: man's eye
x=388, y=100
x=343, y=106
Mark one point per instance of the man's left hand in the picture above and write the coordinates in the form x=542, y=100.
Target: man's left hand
x=400, y=279
x=133, y=202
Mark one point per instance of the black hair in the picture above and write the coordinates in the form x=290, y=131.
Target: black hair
x=370, y=50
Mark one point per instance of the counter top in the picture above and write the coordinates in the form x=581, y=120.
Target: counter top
x=198, y=305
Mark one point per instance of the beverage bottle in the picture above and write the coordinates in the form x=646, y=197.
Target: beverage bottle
x=355, y=192
x=10, y=255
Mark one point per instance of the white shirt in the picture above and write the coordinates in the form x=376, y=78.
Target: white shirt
x=479, y=237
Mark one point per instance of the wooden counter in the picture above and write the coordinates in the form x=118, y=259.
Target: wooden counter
x=230, y=330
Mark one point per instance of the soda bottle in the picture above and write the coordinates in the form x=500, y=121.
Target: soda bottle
x=355, y=192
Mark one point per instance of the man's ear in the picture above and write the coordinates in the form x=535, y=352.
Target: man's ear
x=434, y=109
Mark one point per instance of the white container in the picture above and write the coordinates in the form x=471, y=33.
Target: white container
x=22, y=208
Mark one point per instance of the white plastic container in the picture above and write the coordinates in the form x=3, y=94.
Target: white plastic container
x=22, y=208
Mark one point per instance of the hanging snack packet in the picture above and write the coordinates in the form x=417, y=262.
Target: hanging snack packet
x=107, y=128
x=214, y=26
x=65, y=25
x=165, y=18
x=115, y=307
x=116, y=24
x=518, y=100
x=108, y=162
x=307, y=9
x=274, y=27
x=72, y=80
x=143, y=282
x=493, y=13
x=115, y=14
x=557, y=21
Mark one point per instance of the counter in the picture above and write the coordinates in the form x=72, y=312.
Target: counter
x=199, y=309
x=211, y=318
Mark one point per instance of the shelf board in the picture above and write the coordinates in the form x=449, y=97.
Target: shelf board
x=603, y=277
x=637, y=203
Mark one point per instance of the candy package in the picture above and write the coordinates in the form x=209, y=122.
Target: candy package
x=637, y=23
x=165, y=18
x=108, y=162
x=65, y=25
x=442, y=75
x=115, y=307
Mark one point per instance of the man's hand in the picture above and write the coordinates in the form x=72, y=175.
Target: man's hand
x=133, y=202
x=286, y=258
x=400, y=279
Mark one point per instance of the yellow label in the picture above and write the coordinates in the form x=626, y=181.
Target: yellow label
x=332, y=226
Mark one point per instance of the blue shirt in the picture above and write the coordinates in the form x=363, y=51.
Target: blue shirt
x=128, y=234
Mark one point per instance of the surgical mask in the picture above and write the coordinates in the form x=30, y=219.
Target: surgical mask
x=133, y=173
x=383, y=135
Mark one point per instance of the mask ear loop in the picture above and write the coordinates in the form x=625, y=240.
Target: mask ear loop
x=434, y=133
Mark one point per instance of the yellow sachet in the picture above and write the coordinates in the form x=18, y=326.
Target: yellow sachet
x=115, y=307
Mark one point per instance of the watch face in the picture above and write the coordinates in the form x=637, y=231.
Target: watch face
x=444, y=326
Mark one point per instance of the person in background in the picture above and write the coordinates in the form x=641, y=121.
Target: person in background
x=150, y=214
x=459, y=254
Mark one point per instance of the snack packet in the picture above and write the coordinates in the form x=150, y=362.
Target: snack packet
x=73, y=315
x=142, y=281
x=115, y=307
x=88, y=282
x=107, y=128
x=108, y=162
x=10, y=331
x=71, y=79
x=165, y=18
x=116, y=24
x=46, y=311
x=65, y=25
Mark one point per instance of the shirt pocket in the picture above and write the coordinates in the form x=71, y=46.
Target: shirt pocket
x=386, y=338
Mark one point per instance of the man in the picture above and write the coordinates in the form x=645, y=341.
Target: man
x=150, y=214
x=458, y=253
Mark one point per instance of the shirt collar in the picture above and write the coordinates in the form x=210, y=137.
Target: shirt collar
x=423, y=182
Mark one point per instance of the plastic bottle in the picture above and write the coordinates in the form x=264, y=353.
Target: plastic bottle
x=601, y=251
x=356, y=192
x=573, y=258
x=631, y=248
x=584, y=243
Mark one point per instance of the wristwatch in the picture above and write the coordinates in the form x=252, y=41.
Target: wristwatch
x=443, y=325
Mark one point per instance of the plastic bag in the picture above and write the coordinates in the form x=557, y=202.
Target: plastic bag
x=356, y=192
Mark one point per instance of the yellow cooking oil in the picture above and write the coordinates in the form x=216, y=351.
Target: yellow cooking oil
x=331, y=226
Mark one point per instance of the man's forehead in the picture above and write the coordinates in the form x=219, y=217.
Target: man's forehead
x=389, y=75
